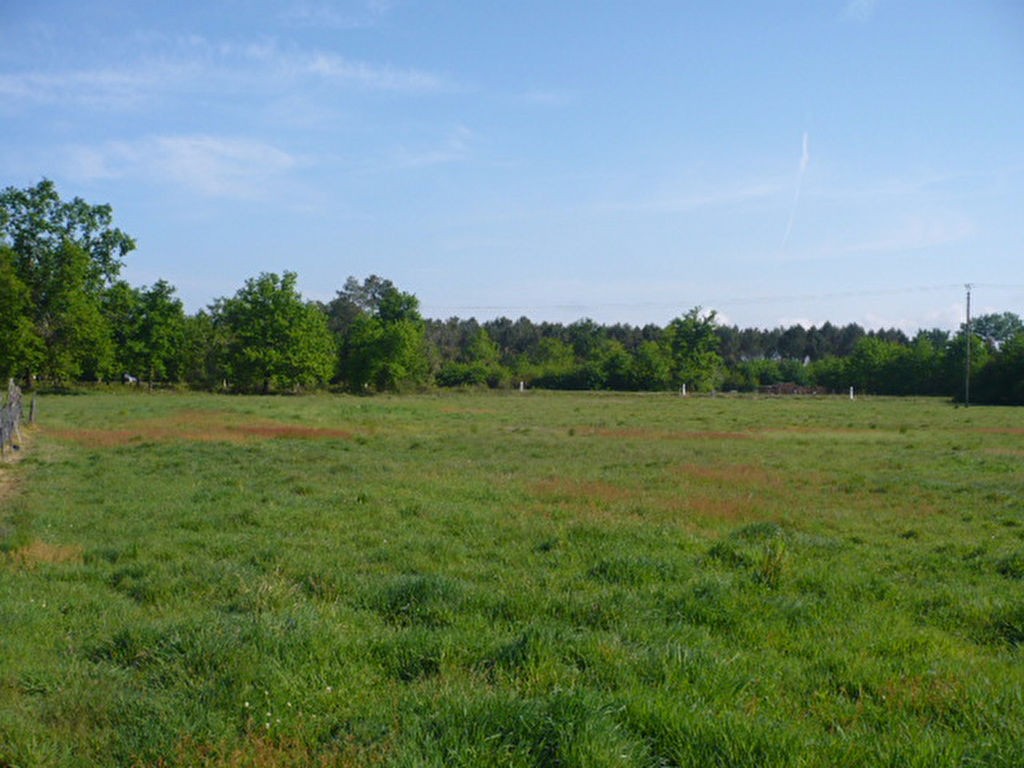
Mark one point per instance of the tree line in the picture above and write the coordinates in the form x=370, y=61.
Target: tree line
x=67, y=316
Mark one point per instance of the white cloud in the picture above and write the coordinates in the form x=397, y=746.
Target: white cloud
x=859, y=10
x=330, y=16
x=100, y=87
x=214, y=166
x=193, y=63
x=722, y=197
x=366, y=75
x=455, y=147
x=916, y=233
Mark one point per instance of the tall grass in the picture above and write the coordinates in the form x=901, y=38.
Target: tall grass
x=522, y=579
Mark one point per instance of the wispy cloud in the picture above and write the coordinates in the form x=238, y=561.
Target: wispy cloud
x=724, y=196
x=916, y=233
x=364, y=75
x=805, y=160
x=184, y=65
x=330, y=16
x=859, y=10
x=214, y=166
x=546, y=97
x=89, y=87
x=455, y=147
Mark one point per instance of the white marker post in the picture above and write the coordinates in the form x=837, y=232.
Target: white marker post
x=851, y=393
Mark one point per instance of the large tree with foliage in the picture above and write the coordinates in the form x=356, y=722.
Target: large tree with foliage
x=161, y=333
x=997, y=328
x=22, y=347
x=64, y=253
x=383, y=346
x=274, y=339
x=692, y=346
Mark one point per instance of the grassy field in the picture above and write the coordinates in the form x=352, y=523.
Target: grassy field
x=512, y=579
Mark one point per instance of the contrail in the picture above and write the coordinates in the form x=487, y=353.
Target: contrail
x=805, y=159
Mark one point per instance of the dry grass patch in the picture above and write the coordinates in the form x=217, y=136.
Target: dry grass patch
x=596, y=499
x=197, y=426
x=640, y=433
x=731, y=475
x=265, y=751
x=40, y=552
x=920, y=693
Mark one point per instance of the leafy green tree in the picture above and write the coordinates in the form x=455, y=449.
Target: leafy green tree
x=954, y=363
x=274, y=338
x=204, y=350
x=478, y=365
x=356, y=299
x=37, y=224
x=384, y=346
x=121, y=308
x=870, y=365
x=997, y=328
x=652, y=367
x=692, y=346
x=69, y=320
x=1000, y=381
x=65, y=254
x=22, y=348
x=830, y=372
x=615, y=365
x=161, y=333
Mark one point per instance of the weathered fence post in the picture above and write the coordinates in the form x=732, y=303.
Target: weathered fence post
x=10, y=418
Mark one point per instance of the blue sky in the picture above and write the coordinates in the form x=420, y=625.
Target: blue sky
x=779, y=162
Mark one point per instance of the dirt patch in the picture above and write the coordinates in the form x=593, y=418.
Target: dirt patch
x=1000, y=430
x=197, y=426
x=40, y=552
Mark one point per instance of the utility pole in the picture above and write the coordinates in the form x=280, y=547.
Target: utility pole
x=967, y=340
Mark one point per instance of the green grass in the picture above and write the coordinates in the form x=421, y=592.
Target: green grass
x=512, y=579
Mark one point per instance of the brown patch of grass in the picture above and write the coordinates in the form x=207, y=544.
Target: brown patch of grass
x=712, y=507
x=1005, y=451
x=731, y=475
x=38, y=552
x=265, y=751
x=197, y=426
x=1000, y=430
x=927, y=693
x=587, y=492
x=685, y=507
x=638, y=433
x=732, y=492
